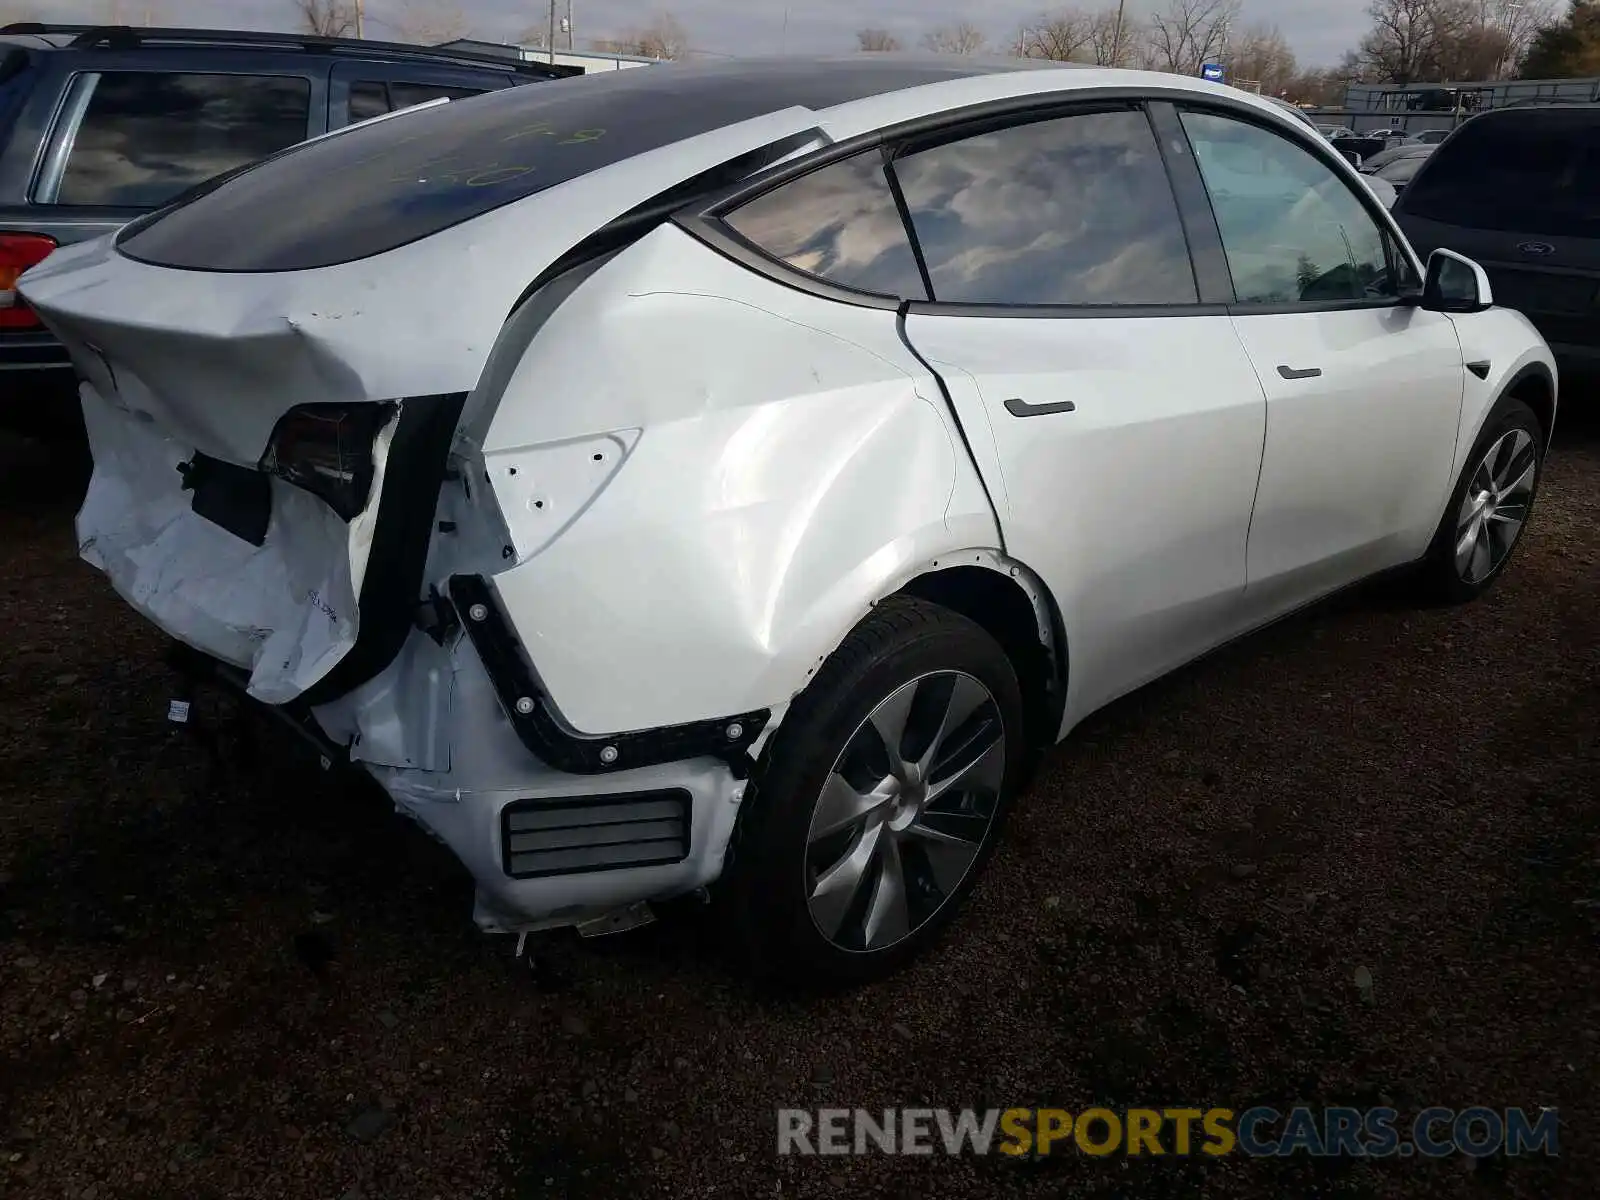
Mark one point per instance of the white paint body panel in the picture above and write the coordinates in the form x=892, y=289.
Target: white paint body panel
x=1135, y=507
x=773, y=495
x=1357, y=463
x=1509, y=343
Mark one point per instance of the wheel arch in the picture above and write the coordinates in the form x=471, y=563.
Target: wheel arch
x=1535, y=386
x=1013, y=606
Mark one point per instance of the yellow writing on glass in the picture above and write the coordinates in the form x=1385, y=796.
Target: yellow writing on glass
x=440, y=169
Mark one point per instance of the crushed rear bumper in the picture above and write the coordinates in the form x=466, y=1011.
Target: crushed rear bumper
x=545, y=848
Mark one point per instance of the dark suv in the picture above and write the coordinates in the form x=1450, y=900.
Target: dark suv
x=101, y=124
x=1518, y=190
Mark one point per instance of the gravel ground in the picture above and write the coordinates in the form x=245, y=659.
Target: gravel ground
x=225, y=974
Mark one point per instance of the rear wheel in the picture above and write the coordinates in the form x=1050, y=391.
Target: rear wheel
x=1489, y=508
x=881, y=798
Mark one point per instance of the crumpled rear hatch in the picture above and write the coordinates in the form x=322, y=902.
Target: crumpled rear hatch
x=240, y=455
x=269, y=443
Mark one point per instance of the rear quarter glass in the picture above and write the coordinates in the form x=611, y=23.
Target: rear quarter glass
x=388, y=184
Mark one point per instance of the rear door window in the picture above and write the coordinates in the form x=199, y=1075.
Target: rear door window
x=375, y=97
x=1075, y=210
x=1533, y=172
x=147, y=136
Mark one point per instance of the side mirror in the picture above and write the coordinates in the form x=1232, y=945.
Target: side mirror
x=1455, y=284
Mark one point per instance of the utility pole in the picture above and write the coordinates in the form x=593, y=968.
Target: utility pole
x=550, y=45
x=1116, y=38
x=361, y=18
x=569, y=26
x=1507, y=16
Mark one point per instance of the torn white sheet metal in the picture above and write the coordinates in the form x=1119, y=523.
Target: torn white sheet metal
x=285, y=611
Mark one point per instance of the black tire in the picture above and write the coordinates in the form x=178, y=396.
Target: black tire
x=1439, y=580
x=767, y=878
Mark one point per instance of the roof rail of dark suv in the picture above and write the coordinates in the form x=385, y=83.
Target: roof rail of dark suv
x=122, y=37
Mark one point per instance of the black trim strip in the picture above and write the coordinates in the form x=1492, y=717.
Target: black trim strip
x=1213, y=276
x=1316, y=306
x=542, y=729
x=1287, y=372
x=908, y=226
x=391, y=588
x=1065, y=312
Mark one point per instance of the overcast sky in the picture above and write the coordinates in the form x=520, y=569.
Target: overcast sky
x=1319, y=30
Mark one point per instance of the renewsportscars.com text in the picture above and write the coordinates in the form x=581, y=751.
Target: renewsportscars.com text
x=1258, y=1132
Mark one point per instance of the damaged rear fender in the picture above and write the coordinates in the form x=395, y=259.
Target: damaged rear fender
x=783, y=462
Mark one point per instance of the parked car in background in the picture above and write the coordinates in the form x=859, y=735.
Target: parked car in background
x=1432, y=137
x=1395, y=150
x=1358, y=149
x=741, y=479
x=1518, y=189
x=101, y=124
x=1334, y=132
x=1399, y=171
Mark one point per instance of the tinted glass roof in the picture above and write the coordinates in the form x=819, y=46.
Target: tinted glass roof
x=372, y=189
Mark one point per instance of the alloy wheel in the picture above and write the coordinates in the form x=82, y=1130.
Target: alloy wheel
x=905, y=811
x=1495, y=506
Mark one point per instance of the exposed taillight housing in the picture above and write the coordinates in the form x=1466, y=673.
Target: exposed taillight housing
x=326, y=449
x=18, y=252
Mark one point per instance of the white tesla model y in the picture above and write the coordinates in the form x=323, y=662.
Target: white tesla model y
x=734, y=473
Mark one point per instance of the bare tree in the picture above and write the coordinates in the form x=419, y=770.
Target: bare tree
x=1424, y=40
x=328, y=18
x=1187, y=34
x=1260, y=54
x=1065, y=36
x=961, y=38
x=1114, y=38
x=430, y=22
x=663, y=37
x=1518, y=24
x=876, y=41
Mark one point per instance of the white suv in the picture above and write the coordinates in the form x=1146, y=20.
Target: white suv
x=735, y=473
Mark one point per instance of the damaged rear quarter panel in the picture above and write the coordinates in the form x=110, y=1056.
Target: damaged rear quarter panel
x=794, y=463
